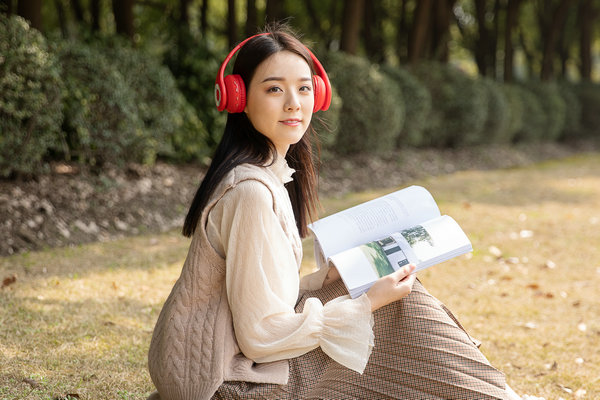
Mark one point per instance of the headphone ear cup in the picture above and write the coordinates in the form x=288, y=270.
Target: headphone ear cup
x=236, y=93
x=319, y=91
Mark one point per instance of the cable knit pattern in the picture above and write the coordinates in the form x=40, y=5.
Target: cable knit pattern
x=249, y=295
x=193, y=347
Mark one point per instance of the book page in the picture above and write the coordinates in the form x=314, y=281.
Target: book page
x=374, y=219
x=361, y=266
x=435, y=241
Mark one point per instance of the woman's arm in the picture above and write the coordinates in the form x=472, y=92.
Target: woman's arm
x=262, y=287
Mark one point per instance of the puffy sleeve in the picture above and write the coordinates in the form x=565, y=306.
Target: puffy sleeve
x=263, y=284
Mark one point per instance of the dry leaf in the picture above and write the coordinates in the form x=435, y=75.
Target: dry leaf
x=533, y=286
x=31, y=382
x=551, y=367
x=565, y=388
x=9, y=280
x=525, y=233
x=496, y=252
x=68, y=396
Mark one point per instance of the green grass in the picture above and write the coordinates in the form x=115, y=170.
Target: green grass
x=79, y=320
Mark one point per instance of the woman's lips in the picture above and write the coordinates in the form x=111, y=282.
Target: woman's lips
x=291, y=122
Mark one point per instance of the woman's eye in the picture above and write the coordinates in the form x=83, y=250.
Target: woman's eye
x=305, y=89
x=274, y=89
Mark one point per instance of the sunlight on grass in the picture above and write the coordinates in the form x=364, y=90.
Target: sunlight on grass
x=79, y=320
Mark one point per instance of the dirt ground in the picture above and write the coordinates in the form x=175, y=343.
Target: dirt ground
x=71, y=205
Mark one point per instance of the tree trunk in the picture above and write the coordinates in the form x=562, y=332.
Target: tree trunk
x=204, y=17
x=351, y=23
x=482, y=41
x=441, y=31
x=512, y=12
x=314, y=17
x=494, y=40
x=6, y=7
x=273, y=11
x=31, y=10
x=251, y=18
x=552, y=32
x=373, y=31
x=95, y=14
x=62, y=19
x=402, y=34
x=232, y=36
x=184, y=15
x=123, y=12
x=420, y=29
x=586, y=21
x=78, y=11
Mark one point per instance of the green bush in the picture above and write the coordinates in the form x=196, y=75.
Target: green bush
x=589, y=96
x=101, y=119
x=417, y=102
x=30, y=103
x=516, y=108
x=459, y=106
x=194, y=64
x=372, y=110
x=533, y=116
x=170, y=123
x=326, y=123
x=572, y=128
x=553, y=108
x=496, y=127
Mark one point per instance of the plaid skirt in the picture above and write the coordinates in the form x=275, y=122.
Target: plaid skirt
x=421, y=352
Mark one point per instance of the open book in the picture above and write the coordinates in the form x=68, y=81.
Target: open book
x=380, y=236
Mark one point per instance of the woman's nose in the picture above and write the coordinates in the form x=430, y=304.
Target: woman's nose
x=292, y=102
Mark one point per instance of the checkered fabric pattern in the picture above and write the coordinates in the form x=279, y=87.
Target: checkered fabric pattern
x=421, y=352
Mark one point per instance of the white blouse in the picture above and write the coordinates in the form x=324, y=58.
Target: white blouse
x=263, y=283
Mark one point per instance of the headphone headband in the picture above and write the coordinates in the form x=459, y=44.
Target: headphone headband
x=221, y=92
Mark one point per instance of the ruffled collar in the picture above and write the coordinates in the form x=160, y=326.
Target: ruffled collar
x=282, y=170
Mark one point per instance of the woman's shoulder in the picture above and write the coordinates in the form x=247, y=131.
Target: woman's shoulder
x=246, y=182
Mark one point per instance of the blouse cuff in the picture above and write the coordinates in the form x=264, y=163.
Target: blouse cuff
x=347, y=335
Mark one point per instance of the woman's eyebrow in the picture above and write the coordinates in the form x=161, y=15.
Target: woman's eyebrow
x=279, y=78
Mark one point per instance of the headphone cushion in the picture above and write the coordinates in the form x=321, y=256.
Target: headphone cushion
x=320, y=92
x=236, y=93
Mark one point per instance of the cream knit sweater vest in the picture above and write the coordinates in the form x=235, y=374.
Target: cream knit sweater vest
x=193, y=348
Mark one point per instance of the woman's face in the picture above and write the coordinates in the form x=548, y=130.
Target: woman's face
x=280, y=99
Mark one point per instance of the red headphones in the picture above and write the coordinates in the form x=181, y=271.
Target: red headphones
x=230, y=91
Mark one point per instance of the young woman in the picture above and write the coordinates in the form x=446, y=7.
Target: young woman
x=239, y=324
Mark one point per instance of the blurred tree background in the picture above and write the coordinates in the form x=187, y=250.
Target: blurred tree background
x=98, y=81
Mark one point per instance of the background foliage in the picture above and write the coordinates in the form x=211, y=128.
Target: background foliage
x=133, y=80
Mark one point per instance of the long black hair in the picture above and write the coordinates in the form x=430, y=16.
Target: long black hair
x=241, y=143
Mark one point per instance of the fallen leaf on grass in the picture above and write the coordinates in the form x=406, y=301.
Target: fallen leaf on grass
x=565, y=388
x=31, y=382
x=9, y=280
x=67, y=396
x=551, y=367
x=495, y=251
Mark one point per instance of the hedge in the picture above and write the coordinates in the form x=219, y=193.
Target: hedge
x=30, y=98
x=589, y=96
x=553, y=108
x=417, y=103
x=372, y=108
x=459, y=106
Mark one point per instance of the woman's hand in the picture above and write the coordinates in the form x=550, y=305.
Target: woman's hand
x=332, y=276
x=392, y=287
